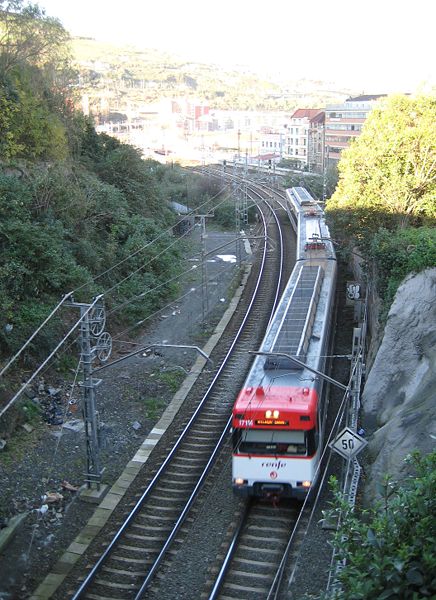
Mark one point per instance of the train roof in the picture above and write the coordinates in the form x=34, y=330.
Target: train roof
x=313, y=239
x=277, y=406
x=298, y=329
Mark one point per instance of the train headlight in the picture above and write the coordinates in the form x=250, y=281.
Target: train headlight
x=239, y=481
x=268, y=414
x=276, y=414
x=306, y=484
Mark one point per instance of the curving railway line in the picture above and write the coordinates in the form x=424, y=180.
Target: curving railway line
x=145, y=534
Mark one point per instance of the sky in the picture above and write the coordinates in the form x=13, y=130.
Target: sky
x=374, y=46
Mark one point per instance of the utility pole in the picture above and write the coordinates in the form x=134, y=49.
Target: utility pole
x=92, y=323
x=237, y=199
x=324, y=179
x=245, y=193
x=204, y=281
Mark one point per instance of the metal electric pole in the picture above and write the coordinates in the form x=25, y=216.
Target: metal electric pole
x=92, y=323
x=325, y=172
x=204, y=278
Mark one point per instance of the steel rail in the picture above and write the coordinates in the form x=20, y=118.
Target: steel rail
x=229, y=555
x=254, y=188
x=109, y=549
x=215, y=452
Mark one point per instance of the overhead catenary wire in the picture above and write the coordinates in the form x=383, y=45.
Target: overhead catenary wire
x=160, y=285
x=13, y=359
x=176, y=241
x=148, y=244
x=38, y=370
x=149, y=262
x=145, y=265
x=174, y=301
x=69, y=294
x=151, y=290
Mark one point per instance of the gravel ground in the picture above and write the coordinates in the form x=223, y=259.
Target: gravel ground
x=50, y=459
x=312, y=569
x=132, y=396
x=191, y=570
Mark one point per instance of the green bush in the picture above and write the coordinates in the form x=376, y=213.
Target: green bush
x=389, y=549
x=225, y=215
x=396, y=254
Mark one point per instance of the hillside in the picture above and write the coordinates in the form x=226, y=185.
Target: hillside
x=126, y=76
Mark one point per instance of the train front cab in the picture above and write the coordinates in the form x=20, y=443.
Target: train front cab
x=270, y=463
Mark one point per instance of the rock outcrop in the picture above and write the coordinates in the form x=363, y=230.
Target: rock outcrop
x=399, y=398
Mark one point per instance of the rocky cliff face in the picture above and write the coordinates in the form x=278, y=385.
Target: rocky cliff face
x=399, y=398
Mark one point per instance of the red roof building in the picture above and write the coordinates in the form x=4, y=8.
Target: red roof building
x=297, y=138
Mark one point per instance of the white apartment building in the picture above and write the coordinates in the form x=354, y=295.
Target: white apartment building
x=291, y=141
x=297, y=139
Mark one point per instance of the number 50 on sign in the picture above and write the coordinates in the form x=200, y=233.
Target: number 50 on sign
x=348, y=443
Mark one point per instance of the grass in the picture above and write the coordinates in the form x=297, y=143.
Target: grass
x=31, y=411
x=153, y=407
x=172, y=379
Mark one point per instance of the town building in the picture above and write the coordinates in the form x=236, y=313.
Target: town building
x=297, y=138
x=343, y=123
x=291, y=139
x=315, y=143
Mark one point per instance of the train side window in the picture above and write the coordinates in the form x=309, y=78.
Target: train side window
x=311, y=441
x=236, y=438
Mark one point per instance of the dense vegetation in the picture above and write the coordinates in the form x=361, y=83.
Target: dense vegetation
x=389, y=548
x=384, y=206
x=384, y=209
x=78, y=211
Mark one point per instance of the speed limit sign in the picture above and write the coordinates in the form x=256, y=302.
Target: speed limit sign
x=348, y=443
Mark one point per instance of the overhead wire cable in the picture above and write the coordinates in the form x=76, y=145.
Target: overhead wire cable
x=148, y=263
x=167, y=281
x=12, y=360
x=148, y=244
x=338, y=419
x=176, y=241
x=174, y=301
x=32, y=377
x=151, y=290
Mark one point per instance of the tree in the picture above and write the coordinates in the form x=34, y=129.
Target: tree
x=388, y=175
x=27, y=35
x=34, y=76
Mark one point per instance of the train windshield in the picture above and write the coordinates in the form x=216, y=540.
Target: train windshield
x=262, y=441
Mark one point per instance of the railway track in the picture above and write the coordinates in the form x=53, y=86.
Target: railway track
x=128, y=564
x=255, y=551
x=259, y=551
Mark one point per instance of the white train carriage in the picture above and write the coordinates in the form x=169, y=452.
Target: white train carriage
x=279, y=415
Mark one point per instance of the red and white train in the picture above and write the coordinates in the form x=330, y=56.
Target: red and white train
x=279, y=416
